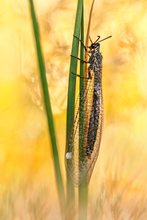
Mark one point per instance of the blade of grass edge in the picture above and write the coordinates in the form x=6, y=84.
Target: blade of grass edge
x=73, y=69
x=47, y=106
x=83, y=187
x=70, y=105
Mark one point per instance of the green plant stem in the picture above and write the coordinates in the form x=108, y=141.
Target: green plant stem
x=47, y=106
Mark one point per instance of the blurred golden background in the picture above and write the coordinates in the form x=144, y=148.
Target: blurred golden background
x=118, y=185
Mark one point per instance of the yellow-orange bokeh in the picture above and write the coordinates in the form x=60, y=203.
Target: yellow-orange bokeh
x=25, y=153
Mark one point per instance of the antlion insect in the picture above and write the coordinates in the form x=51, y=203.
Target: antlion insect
x=82, y=155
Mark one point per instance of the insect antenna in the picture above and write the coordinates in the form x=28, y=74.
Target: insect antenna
x=90, y=40
x=98, y=37
x=103, y=38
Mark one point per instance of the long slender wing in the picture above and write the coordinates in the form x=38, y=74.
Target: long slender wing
x=79, y=164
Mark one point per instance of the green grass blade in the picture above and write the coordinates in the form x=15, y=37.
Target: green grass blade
x=73, y=69
x=71, y=100
x=47, y=106
x=81, y=89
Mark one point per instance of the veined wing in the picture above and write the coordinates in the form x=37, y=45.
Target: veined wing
x=78, y=163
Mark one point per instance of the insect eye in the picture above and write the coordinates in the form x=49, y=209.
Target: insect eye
x=92, y=46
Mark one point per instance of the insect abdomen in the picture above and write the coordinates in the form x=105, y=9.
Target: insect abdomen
x=96, y=67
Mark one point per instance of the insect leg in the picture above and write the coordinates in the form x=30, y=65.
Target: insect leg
x=81, y=42
x=89, y=76
x=83, y=61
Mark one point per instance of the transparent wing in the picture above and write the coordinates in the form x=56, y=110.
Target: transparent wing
x=79, y=164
